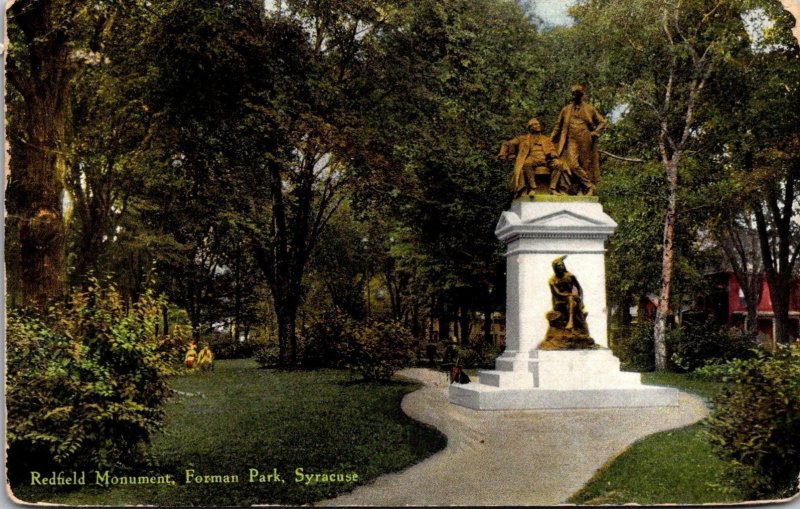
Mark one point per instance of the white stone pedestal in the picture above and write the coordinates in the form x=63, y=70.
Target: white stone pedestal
x=537, y=230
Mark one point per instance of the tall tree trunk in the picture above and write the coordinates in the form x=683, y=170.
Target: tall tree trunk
x=466, y=324
x=416, y=328
x=752, y=294
x=38, y=162
x=660, y=329
x=746, y=269
x=165, y=318
x=751, y=325
x=444, y=327
x=432, y=319
x=781, y=309
x=779, y=266
x=487, y=321
x=237, y=293
x=671, y=150
x=286, y=313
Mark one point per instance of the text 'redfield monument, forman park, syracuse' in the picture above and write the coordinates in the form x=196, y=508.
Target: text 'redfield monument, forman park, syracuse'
x=557, y=353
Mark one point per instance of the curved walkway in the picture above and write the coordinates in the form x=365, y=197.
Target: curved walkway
x=514, y=457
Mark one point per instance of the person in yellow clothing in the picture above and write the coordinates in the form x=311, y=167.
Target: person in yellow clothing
x=205, y=360
x=190, y=359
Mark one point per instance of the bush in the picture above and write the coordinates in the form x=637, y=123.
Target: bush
x=266, y=355
x=755, y=425
x=634, y=347
x=478, y=355
x=701, y=344
x=378, y=348
x=321, y=345
x=224, y=347
x=86, y=383
x=718, y=372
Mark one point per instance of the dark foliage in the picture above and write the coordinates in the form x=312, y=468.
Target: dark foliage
x=634, y=346
x=86, y=385
x=756, y=425
x=695, y=345
x=377, y=349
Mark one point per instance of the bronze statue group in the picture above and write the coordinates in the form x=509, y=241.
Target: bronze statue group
x=565, y=163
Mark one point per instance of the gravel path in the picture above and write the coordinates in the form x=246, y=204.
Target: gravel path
x=515, y=457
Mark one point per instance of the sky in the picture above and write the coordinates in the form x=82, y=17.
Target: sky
x=553, y=12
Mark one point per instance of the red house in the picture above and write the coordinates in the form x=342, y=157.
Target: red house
x=725, y=302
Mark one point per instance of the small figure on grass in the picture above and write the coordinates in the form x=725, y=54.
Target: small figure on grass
x=190, y=359
x=205, y=359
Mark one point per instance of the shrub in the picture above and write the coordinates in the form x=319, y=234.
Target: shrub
x=378, y=348
x=478, y=355
x=718, y=372
x=321, y=345
x=86, y=383
x=266, y=356
x=755, y=425
x=695, y=345
x=634, y=347
x=224, y=347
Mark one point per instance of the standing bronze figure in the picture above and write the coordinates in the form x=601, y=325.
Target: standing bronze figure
x=575, y=135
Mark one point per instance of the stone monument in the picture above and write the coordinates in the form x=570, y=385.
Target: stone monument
x=557, y=353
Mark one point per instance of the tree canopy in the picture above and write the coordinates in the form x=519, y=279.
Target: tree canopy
x=244, y=160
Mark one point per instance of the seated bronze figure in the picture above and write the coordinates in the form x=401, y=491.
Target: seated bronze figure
x=567, y=319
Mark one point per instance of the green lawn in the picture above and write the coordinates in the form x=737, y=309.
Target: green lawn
x=240, y=417
x=705, y=389
x=675, y=466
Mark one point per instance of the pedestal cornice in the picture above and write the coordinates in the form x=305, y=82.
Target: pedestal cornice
x=554, y=221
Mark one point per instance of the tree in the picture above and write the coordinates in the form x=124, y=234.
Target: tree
x=322, y=118
x=773, y=160
x=738, y=240
x=109, y=145
x=459, y=78
x=778, y=233
x=758, y=155
x=663, y=53
x=263, y=118
x=206, y=66
x=633, y=196
x=51, y=41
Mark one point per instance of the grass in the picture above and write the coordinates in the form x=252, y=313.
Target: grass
x=240, y=417
x=677, y=466
x=703, y=388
